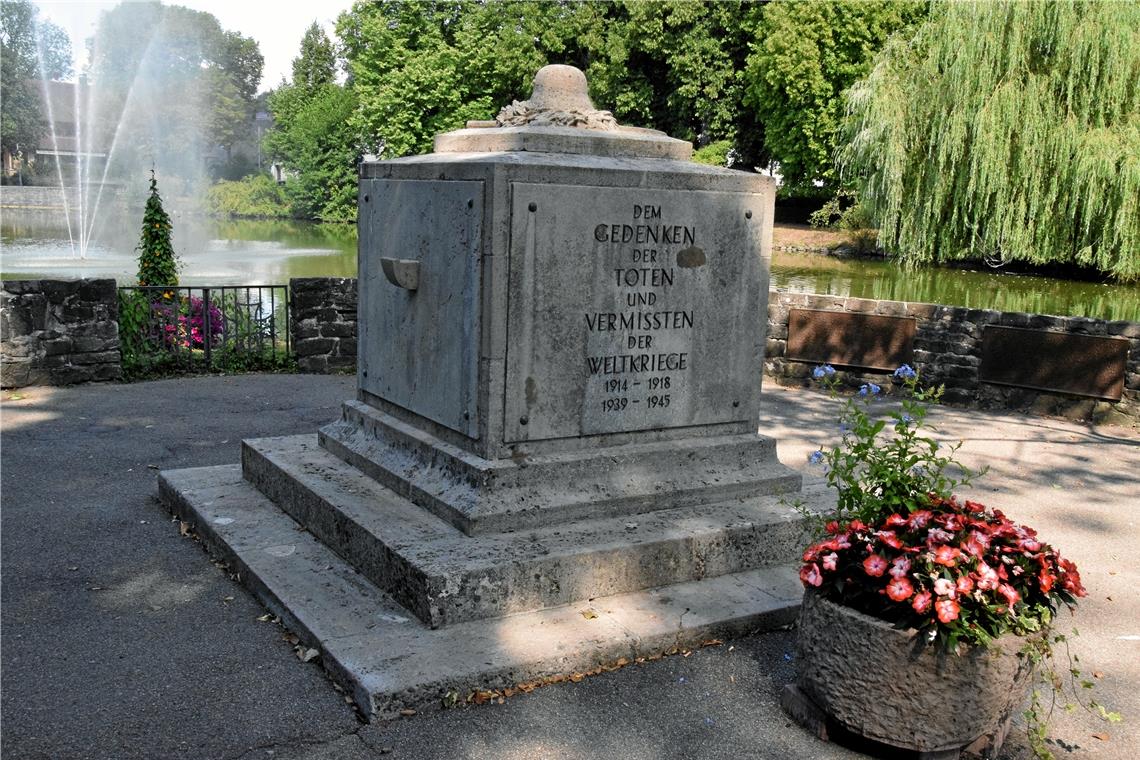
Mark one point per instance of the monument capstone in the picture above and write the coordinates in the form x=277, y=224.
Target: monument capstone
x=561, y=333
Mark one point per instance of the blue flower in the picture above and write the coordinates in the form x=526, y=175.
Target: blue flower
x=870, y=388
x=816, y=457
x=905, y=372
x=822, y=371
x=907, y=419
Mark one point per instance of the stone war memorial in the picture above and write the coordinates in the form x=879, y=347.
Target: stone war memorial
x=552, y=463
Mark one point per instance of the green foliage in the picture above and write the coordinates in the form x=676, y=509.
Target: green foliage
x=316, y=66
x=134, y=326
x=884, y=464
x=257, y=196
x=421, y=68
x=319, y=142
x=843, y=211
x=314, y=134
x=157, y=262
x=25, y=43
x=145, y=52
x=1006, y=130
x=804, y=56
x=713, y=154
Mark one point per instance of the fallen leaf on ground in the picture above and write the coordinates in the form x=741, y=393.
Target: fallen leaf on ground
x=228, y=599
x=589, y=614
x=183, y=528
x=265, y=618
x=307, y=655
x=407, y=712
x=576, y=677
x=1102, y=737
x=1098, y=674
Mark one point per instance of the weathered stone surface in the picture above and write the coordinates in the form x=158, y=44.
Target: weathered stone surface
x=324, y=322
x=948, y=346
x=58, y=332
x=388, y=660
x=445, y=577
x=887, y=685
x=479, y=495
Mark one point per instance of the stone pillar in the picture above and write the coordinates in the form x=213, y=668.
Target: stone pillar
x=58, y=332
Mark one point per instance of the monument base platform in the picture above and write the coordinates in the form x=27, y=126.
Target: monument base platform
x=405, y=609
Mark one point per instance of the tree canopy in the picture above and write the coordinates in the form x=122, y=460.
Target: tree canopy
x=421, y=67
x=315, y=135
x=1006, y=130
x=181, y=83
x=30, y=49
x=804, y=56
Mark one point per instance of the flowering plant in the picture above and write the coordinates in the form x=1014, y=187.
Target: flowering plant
x=187, y=329
x=903, y=549
x=955, y=570
x=900, y=547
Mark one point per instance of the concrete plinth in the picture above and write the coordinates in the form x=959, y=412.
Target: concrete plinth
x=388, y=659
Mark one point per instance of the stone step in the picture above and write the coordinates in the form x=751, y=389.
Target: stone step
x=530, y=490
x=390, y=661
x=445, y=577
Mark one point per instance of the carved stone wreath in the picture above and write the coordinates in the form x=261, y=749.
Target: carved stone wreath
x=521, y=114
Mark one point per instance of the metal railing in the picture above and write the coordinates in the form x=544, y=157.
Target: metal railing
x=204, y=328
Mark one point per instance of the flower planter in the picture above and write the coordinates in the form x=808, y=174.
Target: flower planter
x=884, y=684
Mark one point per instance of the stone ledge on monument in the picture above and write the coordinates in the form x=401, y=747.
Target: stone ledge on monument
x=480, y=495
x=388, y=661
x=445, y=577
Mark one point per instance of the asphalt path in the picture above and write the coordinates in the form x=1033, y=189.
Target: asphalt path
x=119, y=638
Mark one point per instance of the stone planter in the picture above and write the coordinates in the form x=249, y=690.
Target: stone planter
x=859, y=675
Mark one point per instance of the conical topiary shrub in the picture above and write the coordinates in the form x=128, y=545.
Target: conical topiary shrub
x=157, y=263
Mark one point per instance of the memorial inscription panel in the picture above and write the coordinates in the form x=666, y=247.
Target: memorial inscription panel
x=631, y=309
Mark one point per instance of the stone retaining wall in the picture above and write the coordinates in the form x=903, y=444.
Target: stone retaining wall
x=324, y=323
x=948, y=349
x=58, y=332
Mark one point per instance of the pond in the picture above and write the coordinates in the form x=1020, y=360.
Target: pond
x=225, y=252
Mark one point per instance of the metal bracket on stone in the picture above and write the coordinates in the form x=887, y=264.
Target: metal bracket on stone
x=403, y=273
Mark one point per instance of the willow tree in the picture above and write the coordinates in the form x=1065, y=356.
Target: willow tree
x=1008, y=131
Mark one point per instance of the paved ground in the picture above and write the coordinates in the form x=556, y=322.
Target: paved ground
x=121, y=639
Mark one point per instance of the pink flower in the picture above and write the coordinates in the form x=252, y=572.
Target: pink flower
x=895, y=521
x=921, y=602
x=987, y=577
x=889, y=538
x=944, y=587
x=1009, y=592
x=938, y=536
x=899, y=589
x=976, y=544
x=829, y=561
x=900, y=566
x=810, y=575
x=964, y=585
x=946, y=555
x=919, y=519
x=947, y=610
x=874, y=565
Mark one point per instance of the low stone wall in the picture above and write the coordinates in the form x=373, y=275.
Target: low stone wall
x=947, y=349
x=324, y=323
x=58, y=332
